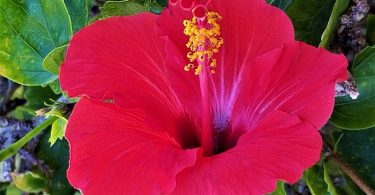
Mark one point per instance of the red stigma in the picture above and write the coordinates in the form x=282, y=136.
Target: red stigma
x=200, y=11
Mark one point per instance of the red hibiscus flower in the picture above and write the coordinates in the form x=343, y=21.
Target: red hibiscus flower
x=208, y=98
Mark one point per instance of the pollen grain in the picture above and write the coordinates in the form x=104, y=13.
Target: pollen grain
x=204, y=42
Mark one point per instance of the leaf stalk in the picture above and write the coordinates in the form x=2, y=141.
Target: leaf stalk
x=15, y=147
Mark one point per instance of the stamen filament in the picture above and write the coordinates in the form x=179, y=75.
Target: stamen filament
x=207, y=139
x=204, y=41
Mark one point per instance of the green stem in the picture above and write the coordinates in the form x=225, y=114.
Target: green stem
x=13, y=149
x=338, y=9
x=352, y=174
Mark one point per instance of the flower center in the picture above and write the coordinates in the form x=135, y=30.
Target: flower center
x=204, y=39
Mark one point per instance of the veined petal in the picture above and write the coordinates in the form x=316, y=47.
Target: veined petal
x=114, y=152
x=123, y=59
x=297, y=79
x=170, y=27
x=248, y=28
x=280, y=147
x=106, y=57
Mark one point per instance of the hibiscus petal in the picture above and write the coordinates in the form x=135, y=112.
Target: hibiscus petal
x=297, y=78
x=255, y=28
x=123, y=59
x=170, y=27
x=113, y=152
x=106, y=57
x=249, y=29
x=280, y=147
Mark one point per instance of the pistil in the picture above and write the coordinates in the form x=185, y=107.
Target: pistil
x=204, y=41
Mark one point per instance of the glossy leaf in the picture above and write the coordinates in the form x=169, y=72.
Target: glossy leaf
x=360, y=113
x=121, y=8
x=37, y=97
x=79, y=12
x=328, y=180
x=338, y=183
x=279, y=189
x=338, y=9
x=29, y=31
x=29, y=182
x=315, y=180
x=282, y=4
x=55, y=86
x=310, y=18
x=357, y=150
x=56, y=157
x=54, y=59
x=155, y=8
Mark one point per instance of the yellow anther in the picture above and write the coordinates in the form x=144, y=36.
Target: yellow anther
x=204, y=42
x=186, y=22
x=201, y=58
x=213, y=63
x=189, y=55
x=188, y=67
x=198, y=70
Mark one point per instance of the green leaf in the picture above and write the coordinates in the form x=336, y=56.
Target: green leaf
x=57, y=130
x=56, y=157
x=29, y=182
x=155, y=8
x=13, y=190
x=310, y=18
x=35, y=97
x=338, y=182
x=327, y=178
x=162, y=2
x=282, y=4
x=279, y=189
x=315, y=180
x=55, y=86
x=29, y=31
x=338, y=9
x=370, y=33
x=360, y=113
x=15, y=54
x=3, y=185
x=357, y=148
x=54, y=59
x=121, y=8
x=58, y=127
x=79, y=12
